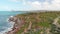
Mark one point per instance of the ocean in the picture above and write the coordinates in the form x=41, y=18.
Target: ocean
x=6, y=26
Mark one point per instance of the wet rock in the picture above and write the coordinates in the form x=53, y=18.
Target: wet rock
x=13, y=19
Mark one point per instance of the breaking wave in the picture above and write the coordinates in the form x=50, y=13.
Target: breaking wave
x=6, y=29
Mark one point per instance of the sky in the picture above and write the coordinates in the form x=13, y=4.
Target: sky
x=25, y=5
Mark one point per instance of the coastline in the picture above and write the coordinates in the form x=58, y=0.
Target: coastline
x=40, y=21
x=17, y=25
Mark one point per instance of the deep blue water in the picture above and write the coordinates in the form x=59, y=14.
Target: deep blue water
x=4, y=15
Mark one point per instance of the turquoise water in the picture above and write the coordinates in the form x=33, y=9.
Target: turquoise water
x=4, y=24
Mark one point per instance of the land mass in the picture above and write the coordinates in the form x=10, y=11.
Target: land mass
x=47, y=22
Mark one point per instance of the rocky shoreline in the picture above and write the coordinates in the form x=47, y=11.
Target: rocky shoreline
x=18, y=24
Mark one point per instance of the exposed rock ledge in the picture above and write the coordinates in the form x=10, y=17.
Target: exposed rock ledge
x=18, y=24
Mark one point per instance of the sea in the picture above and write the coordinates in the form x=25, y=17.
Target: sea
x=5, y=25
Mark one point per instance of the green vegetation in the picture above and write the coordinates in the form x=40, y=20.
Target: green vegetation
x=41, y=21
x=59, y=21
x=55, y=29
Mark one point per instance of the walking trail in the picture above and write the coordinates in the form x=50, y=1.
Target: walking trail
x=56, y=21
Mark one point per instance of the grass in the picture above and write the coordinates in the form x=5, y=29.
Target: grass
x=42, y=19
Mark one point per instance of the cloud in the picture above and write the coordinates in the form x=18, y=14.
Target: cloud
x=14, y=0
x=37, y=5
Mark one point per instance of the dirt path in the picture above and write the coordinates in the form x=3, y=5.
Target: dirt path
x=56, y=21
x=29, y=27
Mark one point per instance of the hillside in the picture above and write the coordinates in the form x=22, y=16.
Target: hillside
x=39, y=23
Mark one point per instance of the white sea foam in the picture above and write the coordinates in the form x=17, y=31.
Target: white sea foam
x=8, y=18
x=8, y=28
x=11, y=16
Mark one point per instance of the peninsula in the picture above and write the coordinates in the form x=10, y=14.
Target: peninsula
x=47, y=22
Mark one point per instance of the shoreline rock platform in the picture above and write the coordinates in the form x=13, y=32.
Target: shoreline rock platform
x=16, y=27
